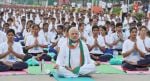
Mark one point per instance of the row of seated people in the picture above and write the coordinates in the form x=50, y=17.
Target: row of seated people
x=135, y=50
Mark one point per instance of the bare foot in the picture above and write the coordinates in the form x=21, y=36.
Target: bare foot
x=97, y=63
x=10, y=64
x=133, y=63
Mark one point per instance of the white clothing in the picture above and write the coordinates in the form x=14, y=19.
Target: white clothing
x=30, y=41
x=108, y=39
x=96, y=50
x=61, y=41
x=89, y=5
x=109, y=5
x=124, y=8
x=88, y=29
x=102, y=4
x=63, y=60
x=134, y=56
x=73, y=4
x=16, y=47
x=115, y=38
x=84, y=34
x=146, y=42
x=46, y=35
x=3, y=37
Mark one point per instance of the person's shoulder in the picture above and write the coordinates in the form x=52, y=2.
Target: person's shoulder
x=29, y=36
x=83, y=43
x=63, y=39
x=147, y=38
x=127, y=41
x=3, y=44
x=2, y=33
x=90, y=37
x=113, y=34
x=41, y=32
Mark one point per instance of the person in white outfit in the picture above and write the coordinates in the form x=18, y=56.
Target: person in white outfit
x=74, y=60
x=134, y=51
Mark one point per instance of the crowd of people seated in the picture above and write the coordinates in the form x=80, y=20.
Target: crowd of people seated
x=89, y=37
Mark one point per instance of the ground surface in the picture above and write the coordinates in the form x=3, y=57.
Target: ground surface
x=97, y=77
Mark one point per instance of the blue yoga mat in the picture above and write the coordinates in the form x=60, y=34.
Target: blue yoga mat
x=72, y=79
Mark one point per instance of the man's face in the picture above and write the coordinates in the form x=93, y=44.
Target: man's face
x=6, y=27
x=95, y=21
x=36, y=30
x=95, y=31
x=133, y=33
x=10, y=36
x=23, y=22
x=119, y=29
x=74, y=35
x=45, y=28
x=81, y=27
x=59, y=30
x=143, y=31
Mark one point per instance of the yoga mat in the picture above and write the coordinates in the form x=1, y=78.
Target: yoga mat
x=37, y=69
x=13, y=73
x=72, y=79
x=133, y=72
x=108, y=69
x=120, y=56
x=103, y=63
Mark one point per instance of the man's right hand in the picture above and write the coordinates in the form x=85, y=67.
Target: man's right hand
x=56, y=66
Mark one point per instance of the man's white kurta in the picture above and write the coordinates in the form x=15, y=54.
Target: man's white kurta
x=63, y=60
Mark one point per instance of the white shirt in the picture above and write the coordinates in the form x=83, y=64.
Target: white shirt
x=89, y=5
x=108, y=39
x=30, y=41
x=51, y=26
x=3, y=37
x=88, y=29
x=61, y=41
x=134, y=56
x=79, y=5
x=84, y=34
x=124, y=8
x=86, y=20
x=103, y=4
x=16, y=47
x=148, y=27
x=115, y=38
x=73, y=4
x=147, y=44
x=109, y=5
x=46, y=35
x=96, y=50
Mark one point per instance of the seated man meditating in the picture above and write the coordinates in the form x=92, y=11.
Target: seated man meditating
x=11, y=54
x=74, y=59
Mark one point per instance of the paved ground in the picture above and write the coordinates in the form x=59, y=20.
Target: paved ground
x=97, y=77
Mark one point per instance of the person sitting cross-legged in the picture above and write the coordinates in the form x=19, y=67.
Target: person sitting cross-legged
x=11, y=54
x=134, y=52
x=74, y=59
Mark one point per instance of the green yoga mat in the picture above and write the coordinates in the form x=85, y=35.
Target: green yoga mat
x=72, y=79
x=37, y=69
x=108, y=69
x=120, y=56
